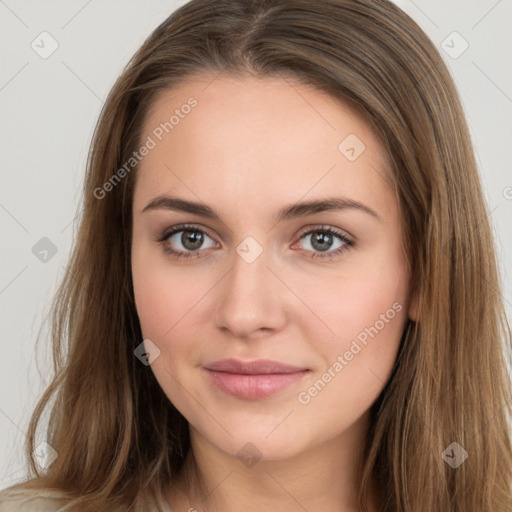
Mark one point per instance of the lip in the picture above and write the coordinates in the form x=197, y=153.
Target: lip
x=253, y=380
x=255, y=367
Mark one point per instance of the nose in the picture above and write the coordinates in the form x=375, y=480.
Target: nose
x=251, y=300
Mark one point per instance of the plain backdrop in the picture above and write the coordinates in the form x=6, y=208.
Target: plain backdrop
x=50, y=104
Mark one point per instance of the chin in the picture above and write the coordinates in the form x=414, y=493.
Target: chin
x=257, y=444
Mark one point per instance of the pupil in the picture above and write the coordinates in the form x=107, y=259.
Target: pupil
x=192, y=240
x=322, y=241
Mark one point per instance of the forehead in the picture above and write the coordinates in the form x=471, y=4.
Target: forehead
x=272, y=138
x=250, y=106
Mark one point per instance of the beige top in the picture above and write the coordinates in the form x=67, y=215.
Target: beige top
x=30, y=505
x=35, y=504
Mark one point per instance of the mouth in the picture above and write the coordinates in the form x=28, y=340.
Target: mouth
x=253, y=380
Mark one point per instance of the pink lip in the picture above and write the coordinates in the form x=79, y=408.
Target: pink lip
x=253, y=380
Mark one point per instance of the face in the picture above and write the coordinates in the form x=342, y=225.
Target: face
x=267, y=262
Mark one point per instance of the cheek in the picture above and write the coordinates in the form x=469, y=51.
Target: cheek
x=363, y=313
x=156, y=304
x=170, y=308
x=166, y=297
x=368, y=318
x=349, y=303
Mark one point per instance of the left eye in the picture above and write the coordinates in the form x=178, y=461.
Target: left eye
x=323, y=240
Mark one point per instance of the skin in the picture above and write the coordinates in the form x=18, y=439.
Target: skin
x=250, y=147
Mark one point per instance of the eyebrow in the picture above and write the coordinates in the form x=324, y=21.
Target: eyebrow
x=288, y=212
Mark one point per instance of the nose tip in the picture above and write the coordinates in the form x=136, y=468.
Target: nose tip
x=250, y=300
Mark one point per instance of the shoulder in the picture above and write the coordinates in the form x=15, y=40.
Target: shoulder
x=38, y=501
x=29, y=503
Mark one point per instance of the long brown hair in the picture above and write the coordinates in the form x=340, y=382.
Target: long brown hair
x=120, y=441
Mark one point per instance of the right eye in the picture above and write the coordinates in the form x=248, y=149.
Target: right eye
x=185, y=241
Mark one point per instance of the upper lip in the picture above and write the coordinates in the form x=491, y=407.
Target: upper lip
x=256, y=367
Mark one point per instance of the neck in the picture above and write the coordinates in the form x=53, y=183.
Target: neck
x=324, y=477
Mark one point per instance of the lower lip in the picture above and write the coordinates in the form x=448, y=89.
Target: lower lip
x=254, y=387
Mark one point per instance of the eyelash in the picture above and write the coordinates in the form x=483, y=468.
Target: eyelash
x=163, y=240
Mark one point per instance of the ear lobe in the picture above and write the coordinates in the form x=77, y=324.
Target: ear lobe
x=413, y=307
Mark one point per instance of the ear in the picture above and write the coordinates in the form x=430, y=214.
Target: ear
x=412, y=312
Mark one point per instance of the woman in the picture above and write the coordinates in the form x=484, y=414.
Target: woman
x=284, y=292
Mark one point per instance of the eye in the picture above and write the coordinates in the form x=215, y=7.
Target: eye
x=186, y=241
x=325, y=242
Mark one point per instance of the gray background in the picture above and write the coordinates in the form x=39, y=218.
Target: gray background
x=49, y=109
